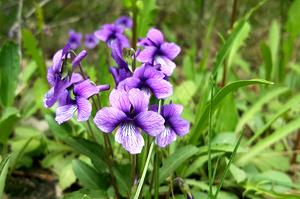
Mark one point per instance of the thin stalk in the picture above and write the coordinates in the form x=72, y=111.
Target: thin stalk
x=133, y=169
x=229, y=163
x=156, y=174
x=209, y=140
x=134, y=26
x=138, y=191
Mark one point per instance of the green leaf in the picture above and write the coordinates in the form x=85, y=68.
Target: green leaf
x=60, y=131
x=9, y=71
x=88, y=148
x=7, y=122
x=279, y=134
x=266, y=54
x=86, y=194
x=293, y=22
x=175, y=160
x=238, y=174
x=201, y=120
x=273, y=44
x=145, y=16
x=292, y=103
x=184, y=92
x=66, y=175
x=88, y=176
x=238, y=42
x=31, y=48
x=266, y=98
x=3, y=173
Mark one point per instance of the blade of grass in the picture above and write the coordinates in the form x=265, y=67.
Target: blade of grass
x=232, y=156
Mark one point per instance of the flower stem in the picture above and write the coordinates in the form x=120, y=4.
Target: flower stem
x=138, y=191
x=156, y=174
x=209, y=140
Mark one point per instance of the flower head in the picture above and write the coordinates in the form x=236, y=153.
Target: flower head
x=78, y=102
x=174, y=125
x=129, y=112
x=111, y=33
x=124, y=21
x=148, y=79
x=91, y=41
x=56, y=80
x=74, y=39
x=157, y=51
x=122, y=71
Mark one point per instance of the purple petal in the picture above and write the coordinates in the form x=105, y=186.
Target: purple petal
x=170, y=50
x=64, y=113
x=85, y=89
x=155, y=36
x=123, y=40
x=166, y=137
x=79, y=58
x=108, y=118
x=49, y=99
x=151, y=122
x=75, y=78
x=166, y=65
x=103, y=87
x=84, y=109
x=90, y=41
x=161, y=88
x=151, y=72
x=147, y=55
x=102, y=34
x=51, y=76
x=144, y=42
x=119, y=99
x=129, y=83
x=124, y=21
x=170, y=110
x=139, y=100
x=57, y=61
x=179, y=125
x=130, y=138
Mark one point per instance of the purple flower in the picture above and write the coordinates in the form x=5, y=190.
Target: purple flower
x=56, y=80
x=174, y=125
x=129, y=112
x=111, y=33
x=124, y=21
x=91, y=41
x=76, y=61
x=78, y=102
x=148, y=79
x=122, y=71
x=74, y=39
x=157, y=51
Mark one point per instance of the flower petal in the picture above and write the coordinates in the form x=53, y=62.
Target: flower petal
x=103, y=34
x=171, y=110
x=139, y=100
x=146, y=55
x=161, y=88
x=85, y=89
x=119, y=99
x=64, y=113
x=131, y=139
x=129, y=83
x=155, y=36
x=151, y=122
x=79, y=58
x=151, y=72
x=166, y=137
x=166, y=65
x=170, y=50
x=84, y=109
x=57, y=61
x=108, y=118
x=179, y=125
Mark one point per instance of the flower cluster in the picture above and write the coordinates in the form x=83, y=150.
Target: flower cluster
x=141, y=77
x=71, y=91
x=92, y=40
x=131, y=112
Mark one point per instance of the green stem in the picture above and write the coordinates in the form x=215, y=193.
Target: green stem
x=209, y=140
x=156, y=174
x=229, y=163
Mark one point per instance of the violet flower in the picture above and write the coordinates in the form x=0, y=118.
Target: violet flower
x=78, y=102
x=76, y=61
x=111, y=33
x=122, y=71
x=174, y=125
x=129, y=112
x=74, y=39
x=56, y=80
x=157, y=51
x=148, y=79
x=124, y=21
x=91, y=41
